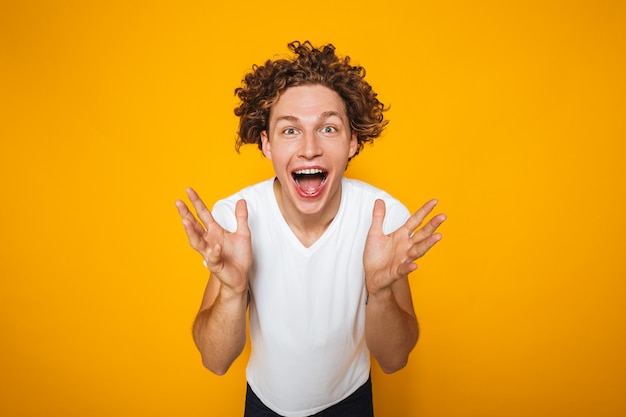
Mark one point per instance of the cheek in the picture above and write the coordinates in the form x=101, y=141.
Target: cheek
x=279, y=159
x=343, y=151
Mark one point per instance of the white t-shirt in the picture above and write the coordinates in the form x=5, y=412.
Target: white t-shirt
x=307, y=305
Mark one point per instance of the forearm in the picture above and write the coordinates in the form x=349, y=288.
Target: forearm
x=220, y=332
x=390, y=332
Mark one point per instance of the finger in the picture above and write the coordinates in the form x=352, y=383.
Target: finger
x=194, y=236
x=182, y=208
x=418, y=217
x=201, y=209
x=429, y=228
x=406, y=268
x=419, y=249
x=188, y=217
x=378, y=216
x=213, y=258
x=241, y=213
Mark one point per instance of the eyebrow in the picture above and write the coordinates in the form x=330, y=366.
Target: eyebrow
x=329, y=114
x=325, y=115
x=287, y=118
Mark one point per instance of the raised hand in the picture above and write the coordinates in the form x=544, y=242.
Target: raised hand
x=227, y=255
x=388, y=258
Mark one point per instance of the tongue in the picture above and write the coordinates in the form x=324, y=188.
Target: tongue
x=310, y=183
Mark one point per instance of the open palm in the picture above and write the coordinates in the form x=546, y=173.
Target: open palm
x=388, y=258
x=227, y=255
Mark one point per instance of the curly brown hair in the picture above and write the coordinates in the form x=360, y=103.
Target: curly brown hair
x=263, y=86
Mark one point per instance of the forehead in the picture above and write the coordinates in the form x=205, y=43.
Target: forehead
x=308, y=102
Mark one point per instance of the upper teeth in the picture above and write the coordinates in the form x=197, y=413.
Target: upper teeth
x=309, y=171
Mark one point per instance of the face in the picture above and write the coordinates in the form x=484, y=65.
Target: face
x=309, y=143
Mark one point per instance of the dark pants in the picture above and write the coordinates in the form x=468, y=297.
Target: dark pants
x=358, y=404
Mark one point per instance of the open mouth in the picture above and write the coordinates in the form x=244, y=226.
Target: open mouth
x=310, y=181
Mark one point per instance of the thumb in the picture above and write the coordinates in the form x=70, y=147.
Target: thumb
x=378, y=216
x=241, y=213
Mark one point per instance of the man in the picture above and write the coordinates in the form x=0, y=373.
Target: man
x=321, y=261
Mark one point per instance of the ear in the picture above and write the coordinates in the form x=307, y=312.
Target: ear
x=265, y=145
x=354, y=143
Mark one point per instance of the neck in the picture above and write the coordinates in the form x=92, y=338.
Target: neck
x=308, y=227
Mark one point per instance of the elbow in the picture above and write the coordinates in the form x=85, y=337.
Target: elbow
x=398, y=359
x=218, y=371
x=216, y=368
x=219, y=362
x=389, y=367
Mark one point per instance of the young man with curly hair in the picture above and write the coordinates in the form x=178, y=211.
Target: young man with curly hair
x=321, y=261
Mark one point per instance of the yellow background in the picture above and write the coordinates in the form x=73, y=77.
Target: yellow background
x=511, y=113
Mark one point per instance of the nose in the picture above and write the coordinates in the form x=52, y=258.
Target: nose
x=310, y=146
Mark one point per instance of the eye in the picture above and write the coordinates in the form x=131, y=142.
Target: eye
x=328, y=129
x=290, y=131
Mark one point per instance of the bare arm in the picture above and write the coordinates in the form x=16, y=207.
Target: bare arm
x=391, y=328
x=219, y=330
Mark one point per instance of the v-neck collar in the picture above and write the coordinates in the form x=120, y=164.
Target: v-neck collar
x=289, y=233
